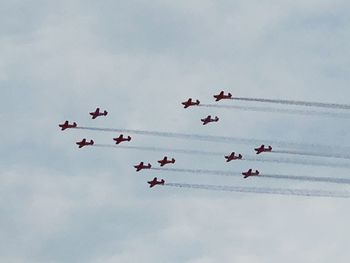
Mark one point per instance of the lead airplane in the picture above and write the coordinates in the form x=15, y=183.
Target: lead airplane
x=155, y=182
x=233, y=157
x=66, y=125
x=141, y=166
x=263, y=149
x=85, y=143
x=166, y=161
x=222, y=96
x=189, y=103
x=97, y=113
x=250, y=173
x=122, y=139
x=209, y=119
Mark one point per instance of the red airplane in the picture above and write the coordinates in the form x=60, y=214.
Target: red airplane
x=66, y=125
x=233, y=157
x=209, y=119
x=97, y=113
x=189, y=103
x=155, y=182
x=250, y=173
x=85, y=143
x=263, y=149
x=141, y=166
x=166, y=161
x=222, y=96
x=121, y=139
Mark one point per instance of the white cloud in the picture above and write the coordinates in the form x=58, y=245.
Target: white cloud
x=139, y=60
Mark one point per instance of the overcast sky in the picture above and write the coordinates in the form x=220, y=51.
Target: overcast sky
x=59, y=60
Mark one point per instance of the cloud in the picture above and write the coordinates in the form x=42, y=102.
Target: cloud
x=139, y=60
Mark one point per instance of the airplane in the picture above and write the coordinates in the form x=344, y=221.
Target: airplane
x=85, y=143
x=250, y=173
x=97, y=113
x=209, y=119
x=141, y=166
x=121, y=139
x=222, y=96
x=66, y=125
x=155, y=182
x=233, y=157
x=189, y=103
x=263, y=149
x=166, y=161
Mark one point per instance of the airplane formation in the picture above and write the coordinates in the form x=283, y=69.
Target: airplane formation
x=166, y=160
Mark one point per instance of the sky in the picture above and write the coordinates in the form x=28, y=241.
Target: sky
x=139, y=60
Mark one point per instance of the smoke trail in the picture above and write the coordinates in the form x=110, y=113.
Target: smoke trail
x=308, y=178
x=263, y=190
x=277, y=110
x=300, y=161
x=212, y=138
x=262, y=176
x=159, y=149
x=299, y=103
x=197, y=171
x=245, y=158
x=329, y=155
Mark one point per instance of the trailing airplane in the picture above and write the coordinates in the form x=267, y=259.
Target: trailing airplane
x=97, y=113
x=155, y=182
x=232, y=156
x=263, y=149
x=189, y=103
x=66, y=125
x=166, y=161
x=209, y=119
x=141, y=166
x=250, y=173
x=85, y=143
x=222, y=96
x=122, y=139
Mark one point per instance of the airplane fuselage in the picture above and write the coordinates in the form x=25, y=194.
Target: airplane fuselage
x=190, y=103
x=155, y=182
x=84, y=143
x=209, y=119
x=141, y=166
x=166, y=161
x=121, y=139
x=66, y=125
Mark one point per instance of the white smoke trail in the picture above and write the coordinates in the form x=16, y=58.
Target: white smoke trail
x=160, y=149
x=261, y=176
x=329, y=155
x=308, y=178
x=212, y=138
x=299, y=161
x=278, y=110
x=221, y=154
x=197, y=171
x=298, y=103
x=264, y=190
